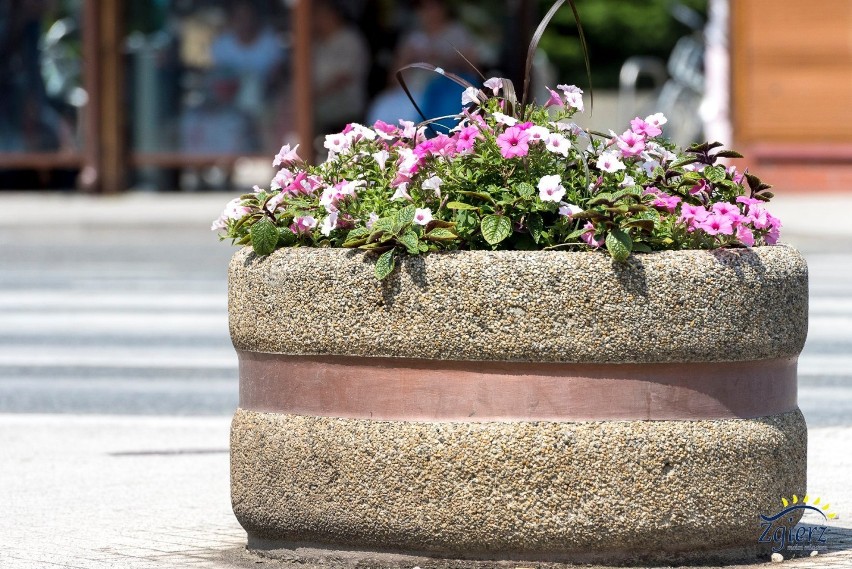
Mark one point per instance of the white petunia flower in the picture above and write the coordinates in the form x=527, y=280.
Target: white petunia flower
x=550, y=188
x=422, y=216
x=558, y=144
x=434, y=184
x=609, y=162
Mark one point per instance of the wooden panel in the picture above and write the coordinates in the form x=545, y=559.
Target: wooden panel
x=792, y=71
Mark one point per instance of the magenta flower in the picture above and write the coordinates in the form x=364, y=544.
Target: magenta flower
x=643, y=128
x=303, y=224
x=385, y=130
x=692, y=215
x=748, y=201
x=555, y=99
x=466, y=138
x=282, y=179
x=745, y=236
x=588, y=236
x=759, y=217
x=774, y=233
x=513, y=143
x=666, y=202
x=716, y=224
x=630, y=144
x=725, y=208
x=701, y=186
x=443, y=145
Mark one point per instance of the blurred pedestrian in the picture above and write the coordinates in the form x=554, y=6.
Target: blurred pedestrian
x=341, y=63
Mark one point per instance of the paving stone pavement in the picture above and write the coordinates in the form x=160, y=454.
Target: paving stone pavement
x=117, y=380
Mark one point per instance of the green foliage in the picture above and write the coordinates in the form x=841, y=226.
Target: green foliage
x=511, y=177
x=264, y=237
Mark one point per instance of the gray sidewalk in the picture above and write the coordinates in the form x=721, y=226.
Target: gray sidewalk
x=117, y=380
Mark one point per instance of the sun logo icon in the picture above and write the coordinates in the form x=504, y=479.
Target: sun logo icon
x=806, y=504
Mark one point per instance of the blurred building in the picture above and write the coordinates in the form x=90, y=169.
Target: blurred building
x=791, y=95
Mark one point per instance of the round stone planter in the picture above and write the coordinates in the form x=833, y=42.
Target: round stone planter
x=546, y=407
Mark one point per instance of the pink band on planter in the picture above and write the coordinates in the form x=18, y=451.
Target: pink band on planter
x=435, y=390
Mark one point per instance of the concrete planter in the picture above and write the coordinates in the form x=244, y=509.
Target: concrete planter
x=519, y=406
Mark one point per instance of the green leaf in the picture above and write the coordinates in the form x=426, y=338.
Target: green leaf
x=525, y=190
x=460, y=205
x=495, y=228
x=286, y=237
x=536, y=226
x=600, y=199
x=385, y=264
x=404, y=216
x=728, y=154
x=411, y=242
x=440, y=234
x=641, y=248
x=480, y=195
x=383, y=224
x=714, y=173
x=686, y=160
x=643, y=224
x=264, y=236
x=619, y=244
x=358, y=233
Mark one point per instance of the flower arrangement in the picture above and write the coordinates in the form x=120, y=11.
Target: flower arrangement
x=510, y=175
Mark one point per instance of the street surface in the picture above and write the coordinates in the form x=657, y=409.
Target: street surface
x=117, y=380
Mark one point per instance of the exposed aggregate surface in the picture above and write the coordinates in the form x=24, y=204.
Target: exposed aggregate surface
x=723, y=305
x=586, y=491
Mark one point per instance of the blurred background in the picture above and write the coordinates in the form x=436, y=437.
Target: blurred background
x=125, y=125
x=186, y=95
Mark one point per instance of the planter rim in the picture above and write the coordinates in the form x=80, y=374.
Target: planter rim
x=548, y=306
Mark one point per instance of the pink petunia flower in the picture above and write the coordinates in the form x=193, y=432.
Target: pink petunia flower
x=666, y=202
x=555, y=99
x=745, y=235
x=385, y=130
x=759, y=217
x=630, y=144
x=774, y=234
x=588, y=236
x=692, y=215
x=513, y=143
x=715, y=224
x=643, y=128
x=303, y=224
x=466, y=138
